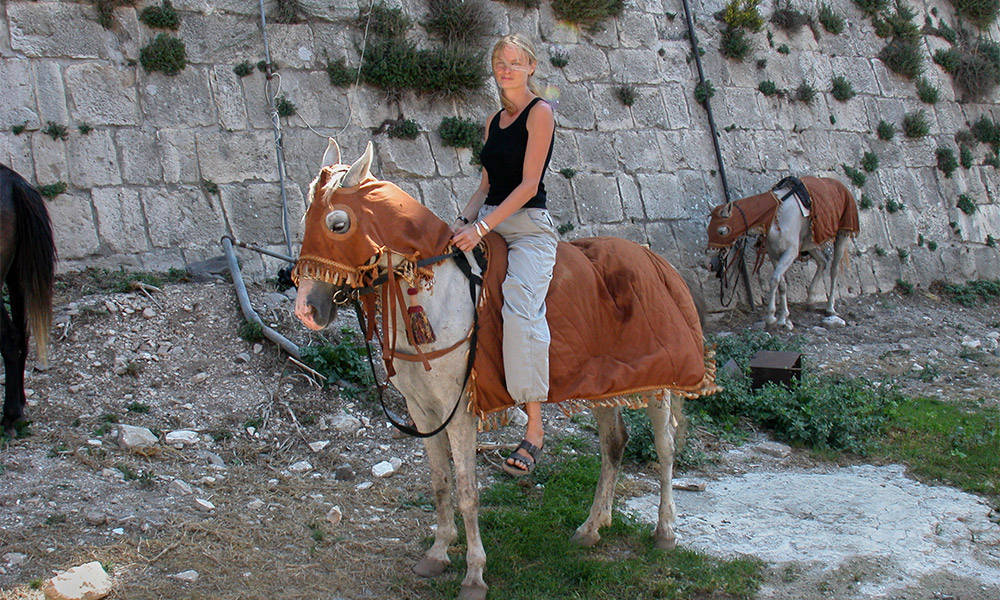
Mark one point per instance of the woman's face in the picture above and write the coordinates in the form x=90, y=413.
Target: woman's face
x=511, y=68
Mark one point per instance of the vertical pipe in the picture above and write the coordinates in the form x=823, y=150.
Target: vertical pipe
x=279, y=144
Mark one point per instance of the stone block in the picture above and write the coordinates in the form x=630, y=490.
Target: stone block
x=586, y=63
x=101, y=94
x=634, y=232
x=439, y=196
x=661, y=195
x=317, y=103
x=648, y=111
x=858, y=71
x=597, y=199
x=49, y=157
x=676, y=105
x=182, y=217
x=140, y=155
x=73, y=225
x=628, y=191
x=850, y=116
x=740, y=150
x=15, y=152
x=559, y=199
x=227, y=92
x=635, y=65
x=120, y=224
x=17, y=98
x=687, y=148
x=178, y=157
x=93, y=160
x=564, y=152
x=691, y=237
x=57, y=29
x=400, y=156
x=184, y=99
x=576, y=108
x=221, y=39
x=637, y=29
x=336, y=40
x=5, y=51
x=522, y=20
x=987, y=262
x=773, y=150
x=254, y=211
x=229, y=157
x=291, y=45
x=50, y=92
x=596, y=152
x=555, y=31
x=890, y=85
x=611, y=114
x=638, y=150
x=674, y=65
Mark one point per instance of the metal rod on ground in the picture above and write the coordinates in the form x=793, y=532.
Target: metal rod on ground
x=279, y=144
x=695, y=50
x=248, y=312
x=261, y=250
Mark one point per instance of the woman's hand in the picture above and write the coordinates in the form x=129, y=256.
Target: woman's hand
x=466, y=238
x=457, y=224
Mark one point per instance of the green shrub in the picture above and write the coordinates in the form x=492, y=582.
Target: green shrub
x=251, y=331
x=973, y=292
x=904, y=288
x=567, y=172
x=904, y=57
x=858, y=178
x=457, y=21
x=243, y=69
x=18, y=129
x=160, y=17
x=903, y=254
x=56, y=131
x=627, y=94
x=886, y=130
x=404, y=128
x=704, y=91
x=396, y=65
x=880, y=251
x=966, y=204
x=525, y=4
x=946, y=160
x=106, y=8
x=588, y=14
x=789, y=19
x=991, y=241
x=84, y=128
x=831, y=21
x=974, y=66
x=992, y=160
x=559, y=59
x=286, y=11
x=805, y=92
x=735, y=44
x=987, y=131
x=339, y=73
x=209, y=186
x=344, y=360
x=761, y=63
x=263, y=66
x=932, y=245
x=866, y=202
x=768, y=88
x=892, y=207
x=52, y=190
x=965, y=157
x=384, y=21
x=927, y=92
x=461, y=133
x=284, y=106
x=742, y=14
x=869, y=162
x=871, y=7
x=842, y=89
x=981, y=13
x=943, y=31
x=915, y=124
x=784, y=49
x=165, y=54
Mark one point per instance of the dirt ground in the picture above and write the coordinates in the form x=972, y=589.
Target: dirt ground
x=173, y=360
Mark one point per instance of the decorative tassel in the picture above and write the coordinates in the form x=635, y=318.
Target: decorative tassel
x=423, y=333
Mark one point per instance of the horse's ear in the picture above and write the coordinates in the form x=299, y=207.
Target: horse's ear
x=332, y=155
x=727, y=210
x=360, y=169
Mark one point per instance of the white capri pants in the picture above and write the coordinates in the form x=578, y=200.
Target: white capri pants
x=531, y=254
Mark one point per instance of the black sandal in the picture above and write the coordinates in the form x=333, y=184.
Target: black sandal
x=528, y=461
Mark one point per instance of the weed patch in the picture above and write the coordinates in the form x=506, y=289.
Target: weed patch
x=735, y=44
x=966, y=204
x=971, y=293
x=457, y=21
x=768, y=88
x=742, y=14
x=842, y=89
x=344, y=360
x=974, y=66
x=982, y=13
x=627, y=94
x=165, y=54
x=51, y=190
x=588, y=14
x=243, y=69
x=946, y=160
x=805, y=92
x=926, y=91
x=857, y=177
x=339, y=73
x=915, y=124
x=831, y=21
x=886, y=131
x=404, y=128
x=869, y=162
x=703, y=92
x=160, y=17
x=789, y=19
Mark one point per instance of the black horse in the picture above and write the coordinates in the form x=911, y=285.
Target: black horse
x=27, y=269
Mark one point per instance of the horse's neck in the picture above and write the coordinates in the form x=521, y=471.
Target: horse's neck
x=788, y=227
x=447, y=304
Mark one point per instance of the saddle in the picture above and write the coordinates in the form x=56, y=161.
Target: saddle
x=795, y=187
x=624, y=330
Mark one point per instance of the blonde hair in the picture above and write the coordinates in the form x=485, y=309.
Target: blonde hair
x=516, y=41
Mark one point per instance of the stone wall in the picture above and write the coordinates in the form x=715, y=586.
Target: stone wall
x=136, y=195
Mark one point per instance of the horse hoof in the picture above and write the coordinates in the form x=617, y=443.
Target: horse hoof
x=430, y=567
x=788, y=326
x=472, y=592
x=666, y=543
x=587, y=540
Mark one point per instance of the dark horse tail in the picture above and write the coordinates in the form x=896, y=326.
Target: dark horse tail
x=33, y=265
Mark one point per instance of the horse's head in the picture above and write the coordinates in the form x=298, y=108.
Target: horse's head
x=723, y=227
x=355, y=224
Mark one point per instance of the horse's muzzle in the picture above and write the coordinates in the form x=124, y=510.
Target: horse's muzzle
x=314, y=304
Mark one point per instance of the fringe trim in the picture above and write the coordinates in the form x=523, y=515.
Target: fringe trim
x=336, y=273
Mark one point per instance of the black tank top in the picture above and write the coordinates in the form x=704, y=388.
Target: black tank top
x=503, y=158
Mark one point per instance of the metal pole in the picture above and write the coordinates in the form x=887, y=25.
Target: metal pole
x=279, y=144
x=695, y=50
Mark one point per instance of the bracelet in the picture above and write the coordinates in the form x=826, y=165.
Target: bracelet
x=478, y=232
x=486, y=227
x=462, y=218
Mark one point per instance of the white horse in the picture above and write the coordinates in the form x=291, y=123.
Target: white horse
x=430, y=397
x=790, y=232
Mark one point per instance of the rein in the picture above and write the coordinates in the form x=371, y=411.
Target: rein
x=726, y=266
x=342, y=297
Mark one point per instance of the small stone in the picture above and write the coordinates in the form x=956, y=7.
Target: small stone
x=302, y=466
x=383, y=469
x=182, y=437
x=110, y=306
x=118, y=531
x=291, y=293
x=180, y=487
x=199, y=377
x=95, y=517
x=112, y=473
x=364, y=485
x=345, y=423
x=85, y=582
x=255, y=504
x=203, y=505
x=213, y=459
x=14, y=558
x=95, y=443
x=318, y=446
x=971, y=343
x=242, y=357
x=148, y=313
x=344, y=473
x=334, y=516
x=189, y=576
x=775, y=449
x=916, y=368
x=257, y=348
x=131, y=437
x=833, y=322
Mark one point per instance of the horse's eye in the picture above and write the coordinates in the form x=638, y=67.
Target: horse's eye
x=724, y=230
x=338, y=221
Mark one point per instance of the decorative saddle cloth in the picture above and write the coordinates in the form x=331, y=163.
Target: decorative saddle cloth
x=624, y=330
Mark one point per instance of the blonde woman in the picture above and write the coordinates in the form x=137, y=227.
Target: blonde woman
x=511, y=201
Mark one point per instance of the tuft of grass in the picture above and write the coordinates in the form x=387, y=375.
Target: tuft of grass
x=866, y=202
x=991, y=241
x=965, y=157
x=915, y=124
x=904, y=57
x=404, y=128
x=946, y=160
x=84, y=128
x=857, y=177
x=461, y=133
x=567, y=172
x=339, y=73
x=588, y=14
x=880, y=251
x=209, y=186
x=805, y=92
x=784, y=49
x=395, y=65
x=284, y=106
x=987, y=131
x=892, y=206
x=52, y=190
x=974, y=66
x=160, y=17
x=981, y=13
x=932, y=245
x=789, y=19
x=735, y=44
x=344, y=360
x=627, y=94
x=872, y=7
x=742, y=14
x=243, y=69
x=886, y=131
x=768, y=88
x=138, y=407
x=926, y=91
x=287, y=11
x=904, y=288
x=831, y=21
x=559, y=59
x=56, y=131
x=992, y=160
x=384, y=21
x=761, y=63
x=166, y=54
x=18, y=129
x=869, y=162
x=251, y=331
x=972, y=292
x=457, y=21
x=903, y=254
x=704, y=91
x=966, y=204
x=842, y=89
x=565, y=228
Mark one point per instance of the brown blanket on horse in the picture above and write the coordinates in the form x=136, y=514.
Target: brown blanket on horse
x=622, y=322
x=833, y=210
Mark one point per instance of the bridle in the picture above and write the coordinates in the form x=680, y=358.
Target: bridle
x=724, y=262
x=348, y=295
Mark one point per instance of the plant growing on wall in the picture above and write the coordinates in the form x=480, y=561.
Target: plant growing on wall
x=742, y=14
x=966, y=204
x=567, y=172
x=243, y=69
x=869, y=162
x=106, y=10
x=831, y=21
x=856, y=176
x=981, y=13
x=965, y=157
x=735, y=44
x=52, y=190
x=559, y=59
x=886, y=131
x=384, y=21
x=339, y=73
x=987, y=131
x=787, y=18
x=84, y=128
x=866, y=202
x=704, y=91
x=768, y=88
x=627, y=94
x=588, y=14
x=406, y=129
x=160, y=17
x=56, y=131
x=284, y=106
x=902, y=54
x=915, y=124
x=871, y=7
x=946, y=160
x=165, y=54
x=842, y=89
x=805, y=92
x=286, y=11
x=927, y=92
x=457, y=21
x=974, y=65
x=892, y=207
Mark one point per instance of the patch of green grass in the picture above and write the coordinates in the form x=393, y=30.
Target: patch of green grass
x=160, y=17
x=588, y=14
x=842, y=89
x=627, y=94
x=943, y=31
x=461, y=133
x=285, y=107
x=84, y=128
x=892, y=206
x=457, y=21
x=805, y=92
x=385, y=21
x=872, y=7
x=138, y=407
x=987, y=131
x=735, y=44
x=251, y=331
x=742, y=14
x=404, y=128
x=523, y=528
x=243, y=69
x=857, y=177
x=926, y=91
x=866, y=202
x=915, y=124
x=981, y=13
x=965, y=157
x=56, y=131
x=784, y=49
x=789, y=18
x=344, y=360
x=946, y=160
x=165, y=53
x=768, y=88
x=886, y=131
x=339, y=73
x=704, y=91
x=831, y=21
x=966, y=204
x=51, y=190
x=567, y=172
x=950, y=442
x=904, y=57
x=869, y=162
x=395, y=65
x=974, y=66
x=559, y=59
x=972, y=293
x=106, y=280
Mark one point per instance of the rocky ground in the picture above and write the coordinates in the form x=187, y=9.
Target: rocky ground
x=271, y=486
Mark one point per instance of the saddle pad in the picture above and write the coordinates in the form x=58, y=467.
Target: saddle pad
x=622, y=322
x=833, y=208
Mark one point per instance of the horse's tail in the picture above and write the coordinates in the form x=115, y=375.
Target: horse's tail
x=33, y=267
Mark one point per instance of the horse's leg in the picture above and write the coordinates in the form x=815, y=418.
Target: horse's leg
x=839, y=250
x=663, y=437
x=817, y=255
x=14, y=347
x=783, y=320
x=777, y=280
x=613, y=436
x=462, y=435
x=436, y=560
